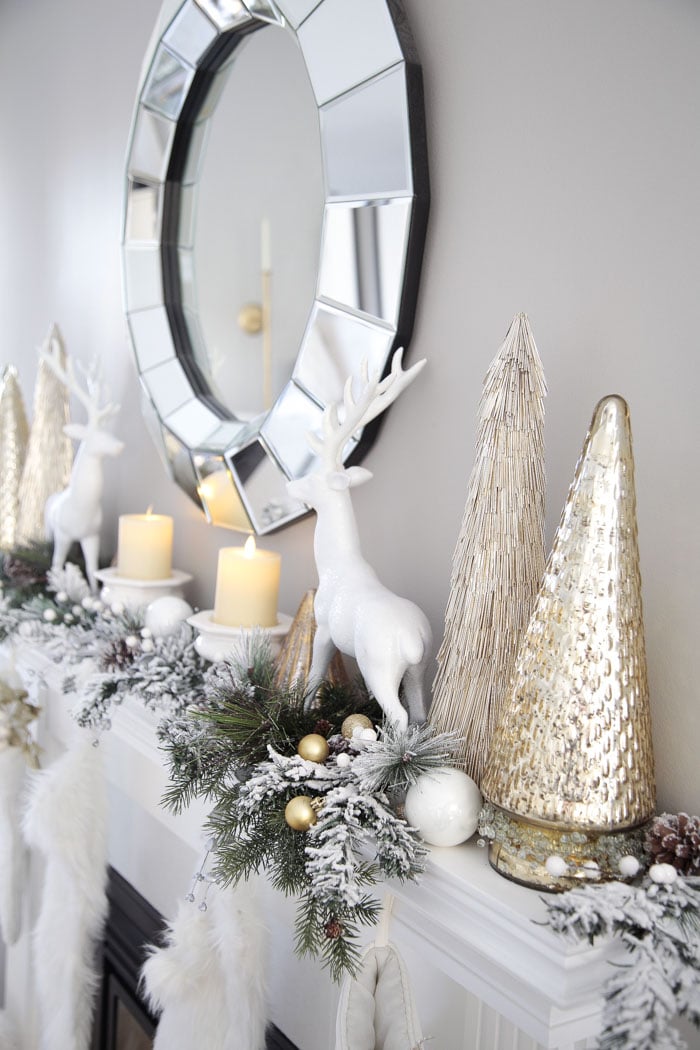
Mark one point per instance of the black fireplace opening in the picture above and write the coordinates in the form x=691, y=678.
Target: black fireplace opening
x=122, y=1019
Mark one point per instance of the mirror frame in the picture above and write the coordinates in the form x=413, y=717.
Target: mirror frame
x=236, y=471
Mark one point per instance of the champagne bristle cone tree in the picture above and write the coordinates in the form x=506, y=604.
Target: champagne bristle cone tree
x=14, y=434
x=499, y=558
x=49, y=457
x=294, y=661
x=571, y=768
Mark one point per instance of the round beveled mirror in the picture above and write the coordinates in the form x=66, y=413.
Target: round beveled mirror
x=276, y=205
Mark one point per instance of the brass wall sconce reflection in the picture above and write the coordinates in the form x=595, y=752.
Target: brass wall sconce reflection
x=254, y=318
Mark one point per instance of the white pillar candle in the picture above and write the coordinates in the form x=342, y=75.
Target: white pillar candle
x=247, y=586
x=145, y=546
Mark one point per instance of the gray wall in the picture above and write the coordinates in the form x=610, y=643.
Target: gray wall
x=565, y=161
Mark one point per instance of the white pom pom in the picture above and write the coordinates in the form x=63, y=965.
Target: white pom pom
x=629, y=866
x=77, y=610
x=49, y=615
x=97, y=605
x=663, y=874
x=147, y=645
x=117, y=608
x=556, y=866
x=343, y=761
x=131, y=641
x=368, y=734
x=61, y=596
x=87, y=602
x=164, y=615
x=146, y=632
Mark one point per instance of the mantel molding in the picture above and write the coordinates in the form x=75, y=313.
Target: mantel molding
x=485, y=933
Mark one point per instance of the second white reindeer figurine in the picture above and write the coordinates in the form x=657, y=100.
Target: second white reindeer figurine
x=76, y=513
x=389, y=636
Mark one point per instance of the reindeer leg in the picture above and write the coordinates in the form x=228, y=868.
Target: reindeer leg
x=91, y=549
x=383, y=683
x=61, y=546
x=322, y=655
x=414, y=693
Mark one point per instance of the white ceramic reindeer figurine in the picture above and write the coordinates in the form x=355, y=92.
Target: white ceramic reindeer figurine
x=76, y=513
x=389, y=636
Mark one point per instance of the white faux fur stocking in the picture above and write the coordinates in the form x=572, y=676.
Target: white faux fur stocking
x=13, y=856
x=67, y=822
x=209, y=980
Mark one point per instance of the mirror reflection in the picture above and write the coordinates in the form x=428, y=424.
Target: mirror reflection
x=250, y=275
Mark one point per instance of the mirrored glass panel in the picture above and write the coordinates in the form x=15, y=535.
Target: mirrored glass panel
x=295, y=11
x=285, y=431
x=366, y=141
x=151, y=337
x=167, y=84
x=143, y=212
x=264, y=489
x=346, y=44
x=193, y=424
x=143, y=278
x=178, y=456
x=190, y=33
x=335, y=346
x=226, y=14
x=362, y=256
x=151, y=144
x=219, y=495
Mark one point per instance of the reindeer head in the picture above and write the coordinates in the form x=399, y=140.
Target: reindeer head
x=96, y=440
x=341, y=420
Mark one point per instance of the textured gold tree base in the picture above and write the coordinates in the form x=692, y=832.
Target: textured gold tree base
x=519, y=850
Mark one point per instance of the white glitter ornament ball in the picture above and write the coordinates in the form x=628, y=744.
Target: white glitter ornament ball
x=444, y=807
x=164, y=615
x=343, y=761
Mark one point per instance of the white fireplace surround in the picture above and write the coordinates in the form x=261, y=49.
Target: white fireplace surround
x=487, y=975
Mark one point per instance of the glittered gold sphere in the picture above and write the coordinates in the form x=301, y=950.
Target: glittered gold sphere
x=299, y=813
x=353, y=722
x=313, y=747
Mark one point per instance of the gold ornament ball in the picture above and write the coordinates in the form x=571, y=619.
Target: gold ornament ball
x=353, y=722
x=313, y=747
x=299, y=813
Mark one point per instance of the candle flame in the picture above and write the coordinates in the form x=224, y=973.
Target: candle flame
x=249, y=547
x=149, y=510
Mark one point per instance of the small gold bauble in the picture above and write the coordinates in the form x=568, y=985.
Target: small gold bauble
x=313, y=747
x=299, y=813
x=353, y=722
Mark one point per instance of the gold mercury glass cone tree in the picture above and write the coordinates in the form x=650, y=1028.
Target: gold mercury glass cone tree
x=49, y=458
x=14, y=434
x=571, y=771
x=499, y=559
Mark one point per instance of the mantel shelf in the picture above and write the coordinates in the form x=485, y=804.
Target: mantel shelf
x=485, y=933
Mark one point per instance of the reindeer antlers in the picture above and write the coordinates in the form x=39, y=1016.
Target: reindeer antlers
x=373, y=398
x=61, y=364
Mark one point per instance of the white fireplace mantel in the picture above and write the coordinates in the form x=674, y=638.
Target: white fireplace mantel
x=484, y=934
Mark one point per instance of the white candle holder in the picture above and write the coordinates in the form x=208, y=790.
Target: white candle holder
x=134, y=594
x=216, y=641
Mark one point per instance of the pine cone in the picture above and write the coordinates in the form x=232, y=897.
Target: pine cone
x=117, y=656
x=22, y=573
x=676, y=840
x=333, y=930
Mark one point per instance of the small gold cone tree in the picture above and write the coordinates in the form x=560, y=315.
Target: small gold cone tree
x=570, y=774
x=49, y=454
x=294, y=661
x=14, y=434
x=499, y=559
